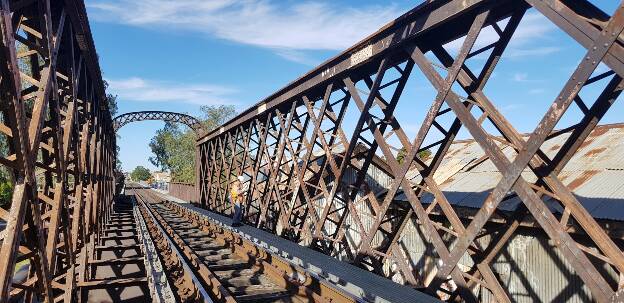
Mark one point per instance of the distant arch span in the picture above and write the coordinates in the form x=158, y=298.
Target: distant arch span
x=189, y=121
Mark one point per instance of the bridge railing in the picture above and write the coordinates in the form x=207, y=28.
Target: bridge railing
x=328, y=163
x=58, y=148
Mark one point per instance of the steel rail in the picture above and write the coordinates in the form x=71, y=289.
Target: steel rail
x=301, y=283
x=308, y=283
x=157, y=280
x=208, y=279
x=147, y=214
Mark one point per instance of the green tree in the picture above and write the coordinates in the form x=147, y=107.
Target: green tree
x=6, y=191
x=162, y=145
x=401, y=155
x=422, y=155
x=140, y=173
x=173, y=146
x=112, y=101
x=6, y=178
x=6, y=182
x=215, y=115
x=113, y=108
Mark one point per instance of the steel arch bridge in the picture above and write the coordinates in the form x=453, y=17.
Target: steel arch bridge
x=187, y=120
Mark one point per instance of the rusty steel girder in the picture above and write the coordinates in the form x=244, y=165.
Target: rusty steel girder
x=61, y=147
x=295, y=153
x=187, y=120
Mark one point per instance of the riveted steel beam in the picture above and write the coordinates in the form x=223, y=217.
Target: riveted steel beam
x=310, y=174
x=54, y=107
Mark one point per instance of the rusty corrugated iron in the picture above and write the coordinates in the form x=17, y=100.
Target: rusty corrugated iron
x=594, y=174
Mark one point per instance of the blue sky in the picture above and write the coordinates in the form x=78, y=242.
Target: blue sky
x=179, y=55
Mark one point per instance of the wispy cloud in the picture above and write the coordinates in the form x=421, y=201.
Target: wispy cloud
x=294, y=55
x=530, y=52
x=143, y=90
x=521, y=77
x=528, y=39
x=281, y=27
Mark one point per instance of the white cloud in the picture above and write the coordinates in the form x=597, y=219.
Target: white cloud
x=521, y=77
x=536, y=51
x=290, y=29
x=296, y=56
x=526, y=78
x=282, y=28
x=528, y=40
x=138, y=89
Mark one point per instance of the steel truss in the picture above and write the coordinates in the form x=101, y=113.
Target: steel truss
x=275, y=145
x=60, y=154
x=187, y=120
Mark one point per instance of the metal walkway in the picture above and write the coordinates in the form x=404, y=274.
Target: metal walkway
x=364, y=284
x=116, y=271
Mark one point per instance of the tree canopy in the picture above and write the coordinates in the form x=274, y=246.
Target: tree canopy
x=140, y=173
x=6, y=184
x=173, y=146
x=423, y=155
x=113, y=108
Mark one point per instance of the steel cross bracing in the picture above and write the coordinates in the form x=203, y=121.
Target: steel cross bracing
x=295, y=152
x=61, y=147
x=187, y=120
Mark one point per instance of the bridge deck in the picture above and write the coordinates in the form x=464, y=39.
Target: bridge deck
x=352, y=279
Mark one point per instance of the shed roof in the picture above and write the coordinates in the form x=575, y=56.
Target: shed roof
x=595, y=174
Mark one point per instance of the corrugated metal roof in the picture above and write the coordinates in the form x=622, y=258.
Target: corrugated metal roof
x=595, y=173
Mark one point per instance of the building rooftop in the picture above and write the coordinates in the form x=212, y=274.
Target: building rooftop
x=594, y=173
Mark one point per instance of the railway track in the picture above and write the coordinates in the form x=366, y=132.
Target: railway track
x=209, y=263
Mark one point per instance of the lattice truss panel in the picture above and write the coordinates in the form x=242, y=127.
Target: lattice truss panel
x=295, y=149
x=187, y=120
x=58, y=146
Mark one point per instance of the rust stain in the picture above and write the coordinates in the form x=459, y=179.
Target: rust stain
x=448, y=181
x=456, y=150
x=601, y=130
x=555, y=147
x=597, y=132
x=595, y=152
x=588, y=141
x=586, y=175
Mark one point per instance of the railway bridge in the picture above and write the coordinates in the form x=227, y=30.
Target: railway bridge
x=341, y=204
